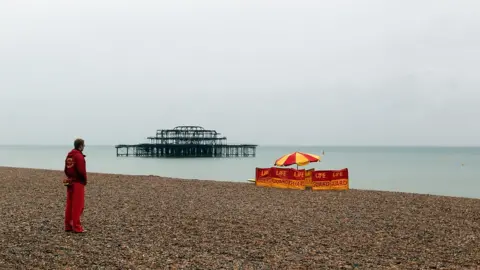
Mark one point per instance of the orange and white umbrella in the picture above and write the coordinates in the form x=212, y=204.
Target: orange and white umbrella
x=298, y=158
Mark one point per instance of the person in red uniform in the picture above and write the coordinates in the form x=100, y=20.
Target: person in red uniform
x=76, y=179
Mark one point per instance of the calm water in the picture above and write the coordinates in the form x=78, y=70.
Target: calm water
x=431, y=170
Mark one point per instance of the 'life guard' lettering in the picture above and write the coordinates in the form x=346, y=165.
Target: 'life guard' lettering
x=321, y=175
x=281, y=173
x=264, y=173
x=298, y=174
x=337, y=174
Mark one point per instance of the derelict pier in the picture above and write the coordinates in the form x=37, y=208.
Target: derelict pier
x=186, y=141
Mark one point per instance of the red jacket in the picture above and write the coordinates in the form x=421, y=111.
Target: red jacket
x=75, y=166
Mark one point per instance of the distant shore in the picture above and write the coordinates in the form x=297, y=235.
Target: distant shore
x=156, y=222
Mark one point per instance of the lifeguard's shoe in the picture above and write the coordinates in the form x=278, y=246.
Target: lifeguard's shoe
x=68, y=228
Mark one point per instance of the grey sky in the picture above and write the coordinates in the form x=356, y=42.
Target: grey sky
x=267, y=72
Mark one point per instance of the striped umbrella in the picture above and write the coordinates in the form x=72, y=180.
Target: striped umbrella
x=298, y=158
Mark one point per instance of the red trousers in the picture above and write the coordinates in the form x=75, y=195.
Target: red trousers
x=74, y=207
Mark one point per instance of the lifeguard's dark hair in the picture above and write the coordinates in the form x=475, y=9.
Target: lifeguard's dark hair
x=78, y=142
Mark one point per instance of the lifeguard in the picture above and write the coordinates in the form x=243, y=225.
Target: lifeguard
x=76, y=179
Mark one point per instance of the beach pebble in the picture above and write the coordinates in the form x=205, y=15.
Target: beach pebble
x=146, y=222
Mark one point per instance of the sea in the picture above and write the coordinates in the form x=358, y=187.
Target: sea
x=448, y=171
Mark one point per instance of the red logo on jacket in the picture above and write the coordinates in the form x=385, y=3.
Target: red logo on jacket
x=69, y=162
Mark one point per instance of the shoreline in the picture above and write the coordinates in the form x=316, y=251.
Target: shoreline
x=134, y=222
x=234, y=182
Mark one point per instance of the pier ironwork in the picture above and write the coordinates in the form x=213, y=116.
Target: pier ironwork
x=186, y=141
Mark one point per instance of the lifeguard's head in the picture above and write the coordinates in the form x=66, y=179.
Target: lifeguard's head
x=79, y=144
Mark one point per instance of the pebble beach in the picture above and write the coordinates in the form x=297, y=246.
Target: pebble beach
x=151, y=222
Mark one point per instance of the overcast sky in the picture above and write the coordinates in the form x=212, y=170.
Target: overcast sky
x=267, y=72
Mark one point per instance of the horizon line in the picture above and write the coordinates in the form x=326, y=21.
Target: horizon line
x=267, y=145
